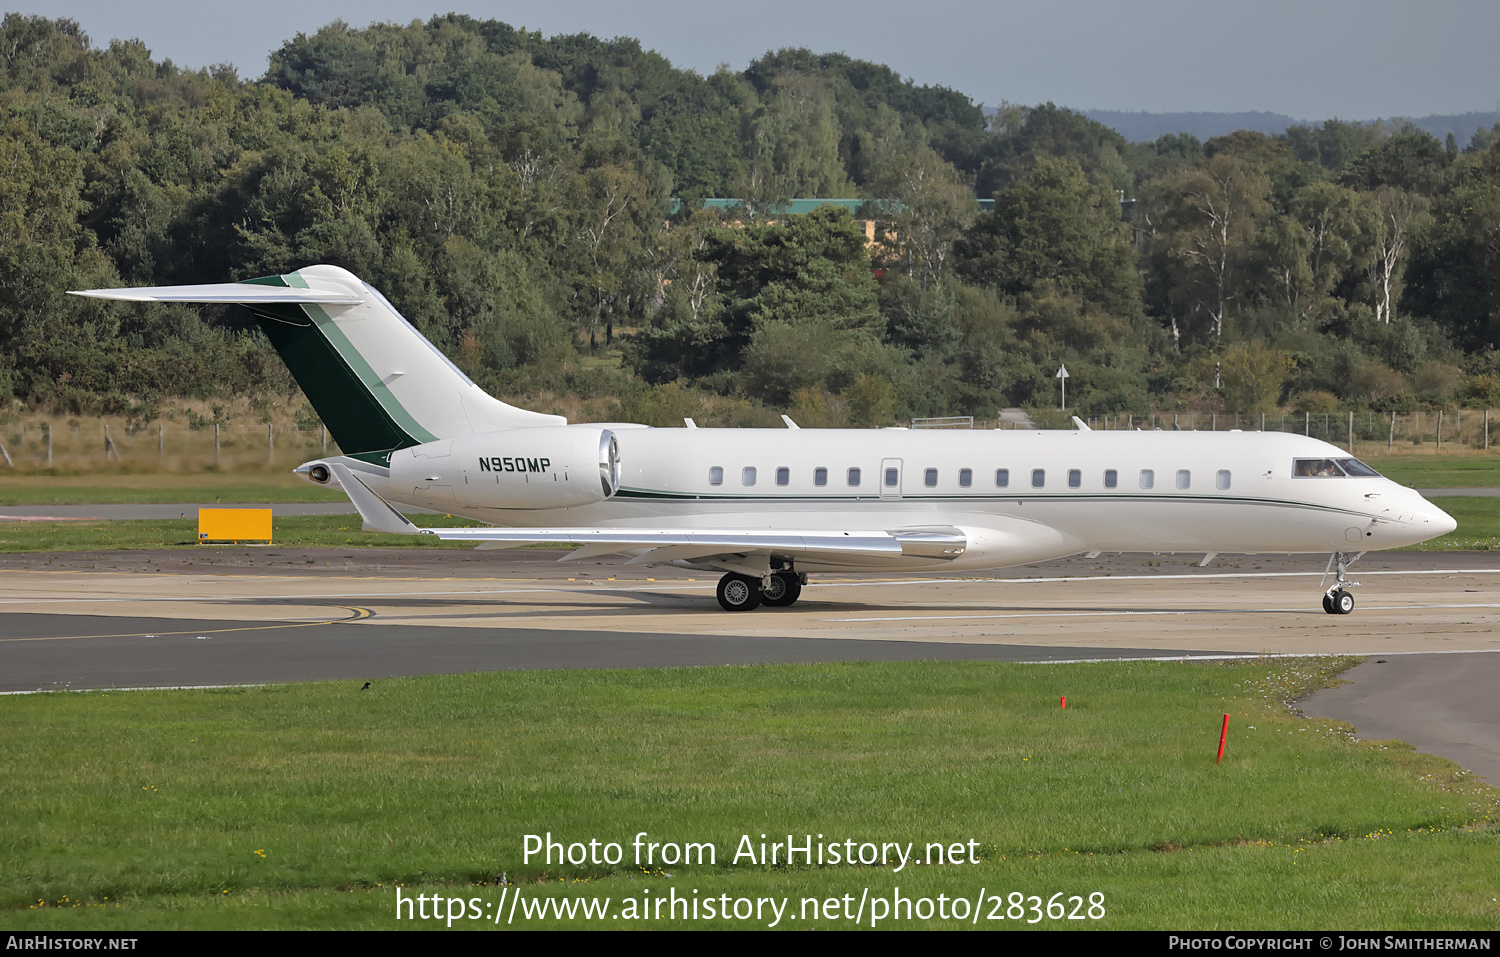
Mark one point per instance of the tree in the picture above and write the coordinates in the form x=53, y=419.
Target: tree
x=1049, y=130
x=795, y=308
x=1411, y=160
x=1282, y=250
x=924, y=207
x=1253, y=376
x=1399, y=215
x=1054, y=229
x=792, y=146
x=1454, y=275
x=1335, y=218
x=1333, y=144
x=607, y=233
x=1204, y=223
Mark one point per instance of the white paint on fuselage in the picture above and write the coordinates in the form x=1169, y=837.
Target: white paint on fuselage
x=666, y=485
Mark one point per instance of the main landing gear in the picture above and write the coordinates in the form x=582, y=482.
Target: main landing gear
x=745, y=593
x=1336, y=600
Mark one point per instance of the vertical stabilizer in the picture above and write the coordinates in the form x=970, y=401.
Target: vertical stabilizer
x=378, y=384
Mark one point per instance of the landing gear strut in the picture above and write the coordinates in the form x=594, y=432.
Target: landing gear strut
x=744, y=593
x=1337, y=600
x=785, y=588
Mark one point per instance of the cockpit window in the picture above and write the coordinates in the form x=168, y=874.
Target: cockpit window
x=1358, y=469
x=1316, y=468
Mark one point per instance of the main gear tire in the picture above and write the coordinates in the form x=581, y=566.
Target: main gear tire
x=786, y=588
x=739, y=593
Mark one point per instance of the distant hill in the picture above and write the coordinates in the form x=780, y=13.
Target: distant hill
x=1145, y=127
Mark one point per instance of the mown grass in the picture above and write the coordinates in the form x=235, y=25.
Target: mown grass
x=1439, y=471
x=1478, y=525
x=290, y=531
x=152, y=488
x=303, y=806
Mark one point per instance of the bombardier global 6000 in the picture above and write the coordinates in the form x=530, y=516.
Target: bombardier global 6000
x=768, y=507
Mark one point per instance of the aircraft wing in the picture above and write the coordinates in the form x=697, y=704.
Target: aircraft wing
x=658, y=546
x=232, y=292
x=728, y=547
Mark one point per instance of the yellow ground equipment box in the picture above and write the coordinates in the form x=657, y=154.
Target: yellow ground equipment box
x=234, y=525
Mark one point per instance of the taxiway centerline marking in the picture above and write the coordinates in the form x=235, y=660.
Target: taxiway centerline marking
x=1127, y=612
x=665, y=586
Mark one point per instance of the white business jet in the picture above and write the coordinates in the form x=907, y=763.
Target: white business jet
x=769, y=506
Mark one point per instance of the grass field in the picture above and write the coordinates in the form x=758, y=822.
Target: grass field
x=290, y=531
x=305, y=805
x=1438, y=471
x=246, y=488
x=1478, y=525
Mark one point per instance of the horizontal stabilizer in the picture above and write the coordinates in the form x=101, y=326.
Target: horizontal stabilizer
x=373, y=378
x=230, y=292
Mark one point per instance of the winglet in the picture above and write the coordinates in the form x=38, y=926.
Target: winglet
x=378, y=514
x=789, y=423
x=1081, y=425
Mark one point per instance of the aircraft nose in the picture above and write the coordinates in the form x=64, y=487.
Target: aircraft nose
x=1441, y=522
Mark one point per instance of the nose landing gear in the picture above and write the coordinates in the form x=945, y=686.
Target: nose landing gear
x=1337, y=600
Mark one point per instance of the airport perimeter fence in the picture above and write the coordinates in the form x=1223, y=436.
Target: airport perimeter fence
x=1443, y=428
x=89, y=445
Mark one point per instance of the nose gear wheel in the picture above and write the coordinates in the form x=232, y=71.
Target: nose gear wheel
x=1337, y=600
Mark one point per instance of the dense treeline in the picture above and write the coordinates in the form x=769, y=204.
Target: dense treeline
x=523, y=199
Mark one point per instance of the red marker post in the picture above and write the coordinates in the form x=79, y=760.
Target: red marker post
x=1222, y=735
x=1065, y=701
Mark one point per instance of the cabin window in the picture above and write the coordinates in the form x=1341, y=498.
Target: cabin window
x=1075, y=478
x=1222, y=480
x=854, y=478
x=1038, y=478
x=892, y=477
x=783, y=476
x=1002, y=478
x=1148, y=478
x=1111, y=478
x=1184, y=478
x=716, y=475
x=748, y=475
x=965, y=478
x=929, y=478
x=820, y=477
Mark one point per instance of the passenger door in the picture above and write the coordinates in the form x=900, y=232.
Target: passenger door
x=890, y=478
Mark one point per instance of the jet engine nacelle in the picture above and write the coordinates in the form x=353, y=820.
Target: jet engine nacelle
x=540, y=467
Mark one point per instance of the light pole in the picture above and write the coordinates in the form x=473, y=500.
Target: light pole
x=1062, y=380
